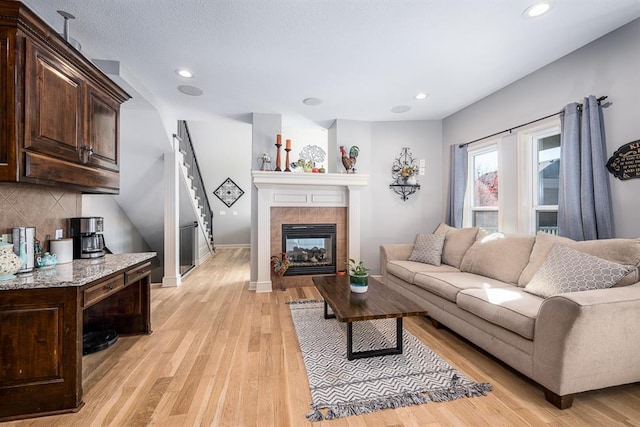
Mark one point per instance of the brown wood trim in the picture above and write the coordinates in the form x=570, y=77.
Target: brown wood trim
x=45, y=170
x=16, y=14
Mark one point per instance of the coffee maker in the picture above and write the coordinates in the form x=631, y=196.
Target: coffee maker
x=88, y=241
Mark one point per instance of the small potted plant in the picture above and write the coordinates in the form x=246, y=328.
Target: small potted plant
x=358, y=276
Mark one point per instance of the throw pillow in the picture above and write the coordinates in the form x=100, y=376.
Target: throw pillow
x=569, y=270
x=427, y=249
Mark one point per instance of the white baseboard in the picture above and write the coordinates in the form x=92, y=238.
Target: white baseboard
x=171, y=282
x=260, y=287
x=203, y=258
x=233, y=246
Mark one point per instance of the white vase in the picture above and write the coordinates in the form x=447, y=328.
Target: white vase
x=411, y=180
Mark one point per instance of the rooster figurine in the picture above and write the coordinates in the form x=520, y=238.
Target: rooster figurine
x=280, y=266
x=349, y=162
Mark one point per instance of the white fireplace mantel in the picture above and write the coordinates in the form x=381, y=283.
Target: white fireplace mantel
x=289, y=189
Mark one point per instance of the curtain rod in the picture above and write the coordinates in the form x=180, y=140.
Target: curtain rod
x=602, y=98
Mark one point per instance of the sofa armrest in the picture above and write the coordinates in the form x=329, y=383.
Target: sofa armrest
x=392, y=252
x=588, y=340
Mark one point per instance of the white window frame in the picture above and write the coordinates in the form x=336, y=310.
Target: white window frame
x=528, y=175
x=472, y=151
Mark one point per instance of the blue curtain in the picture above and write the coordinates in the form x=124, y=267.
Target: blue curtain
x=457, y=185
x=584, y=202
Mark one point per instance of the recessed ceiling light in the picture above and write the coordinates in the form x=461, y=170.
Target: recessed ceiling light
x=400, y=109
x=183, y=72
x=538, y=9
x=312, y=102
x=190, y=90
x=421, y=96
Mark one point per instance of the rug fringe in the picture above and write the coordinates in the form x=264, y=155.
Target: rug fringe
x=456, y=391
x=366, y=407
x=304, y=301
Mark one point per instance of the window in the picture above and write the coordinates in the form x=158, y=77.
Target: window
x=513, y=182
x=546, y=155
x=483, y=183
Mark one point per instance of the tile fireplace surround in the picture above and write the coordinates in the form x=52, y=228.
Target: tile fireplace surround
x=308, y=190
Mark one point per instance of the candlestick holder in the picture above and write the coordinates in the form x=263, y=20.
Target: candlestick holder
x=278, y=158
x=287, y=169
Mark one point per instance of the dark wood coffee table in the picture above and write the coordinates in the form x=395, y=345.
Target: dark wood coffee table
x=379, y=302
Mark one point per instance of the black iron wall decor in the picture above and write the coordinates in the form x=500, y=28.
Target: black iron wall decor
x=228, y=192
x=404, y=172
x=625, y=162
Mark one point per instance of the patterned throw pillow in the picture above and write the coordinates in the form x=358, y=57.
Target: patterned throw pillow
x=569, y=270
x=428, y=248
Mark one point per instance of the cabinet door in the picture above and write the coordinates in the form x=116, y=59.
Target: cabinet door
x=41, y=369
x=53, y=105
x=7, y=118
x=102, y=125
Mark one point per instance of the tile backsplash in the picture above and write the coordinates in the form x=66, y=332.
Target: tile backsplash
x=43, y=207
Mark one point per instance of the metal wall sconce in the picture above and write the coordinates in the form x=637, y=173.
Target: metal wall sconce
x=404, y=171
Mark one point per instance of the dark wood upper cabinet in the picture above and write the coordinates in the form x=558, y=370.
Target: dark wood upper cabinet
x=103, y=129
x=53, y=105
x=7, y=153
x=60, y=114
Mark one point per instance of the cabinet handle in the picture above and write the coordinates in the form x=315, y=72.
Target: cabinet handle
x=85, y=153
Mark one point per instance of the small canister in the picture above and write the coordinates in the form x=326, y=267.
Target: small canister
x=62, y=249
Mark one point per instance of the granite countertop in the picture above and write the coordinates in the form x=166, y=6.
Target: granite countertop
x=76, y=273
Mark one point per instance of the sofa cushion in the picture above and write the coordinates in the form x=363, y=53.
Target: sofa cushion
x=428, y=249
x=511, y=308
x=569, y=270
x=499, y=257
x=406, y=270
x=620, y=251
x=456, y=243
x=447, y=285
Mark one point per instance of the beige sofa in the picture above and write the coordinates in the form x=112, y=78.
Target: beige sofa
x=567, y=343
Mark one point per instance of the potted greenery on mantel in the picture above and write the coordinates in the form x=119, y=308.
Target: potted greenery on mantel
x=358, y=276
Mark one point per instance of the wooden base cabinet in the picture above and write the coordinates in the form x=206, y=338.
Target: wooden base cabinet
x=41, y=338
x=60, y=113
x=40, y=363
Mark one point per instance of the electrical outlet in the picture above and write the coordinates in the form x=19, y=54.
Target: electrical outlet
x=58, y=234
x=235, y=213
x=421, y=170
x=222, y=213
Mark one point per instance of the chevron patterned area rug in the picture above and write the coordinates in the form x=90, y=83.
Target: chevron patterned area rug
x=340, y=388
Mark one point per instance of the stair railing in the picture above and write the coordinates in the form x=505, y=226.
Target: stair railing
x=186, y=147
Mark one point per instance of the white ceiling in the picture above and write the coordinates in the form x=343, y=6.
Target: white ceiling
x=361, y=57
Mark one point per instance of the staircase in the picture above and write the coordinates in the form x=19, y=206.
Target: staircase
x=191, y=173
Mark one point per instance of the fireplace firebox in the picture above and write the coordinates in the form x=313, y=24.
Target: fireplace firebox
x=311, y=248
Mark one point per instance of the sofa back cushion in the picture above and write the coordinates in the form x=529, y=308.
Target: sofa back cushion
x=620, y=251
x=456, y=243
x=499, y=257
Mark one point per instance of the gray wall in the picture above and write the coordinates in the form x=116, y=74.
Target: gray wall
x=385, y=217
x=223, y=147
x=120, y=234
x=608, y=66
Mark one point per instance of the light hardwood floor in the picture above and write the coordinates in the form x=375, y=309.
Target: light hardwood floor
x=222, y=355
